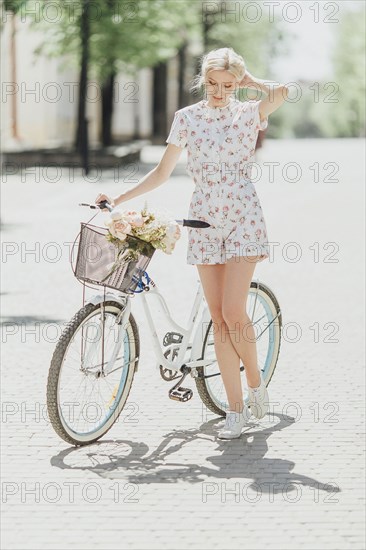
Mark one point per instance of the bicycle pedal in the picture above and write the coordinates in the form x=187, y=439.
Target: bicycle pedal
x=181, y=394
x=172, y=338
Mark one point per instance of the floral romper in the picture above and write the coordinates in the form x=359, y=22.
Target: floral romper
x=220, y=148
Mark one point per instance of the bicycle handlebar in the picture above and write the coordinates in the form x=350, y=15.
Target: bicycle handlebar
x=185, y=223
x=101, y=205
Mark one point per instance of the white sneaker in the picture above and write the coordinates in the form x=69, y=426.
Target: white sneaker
x=234, y=423
x=258, y=399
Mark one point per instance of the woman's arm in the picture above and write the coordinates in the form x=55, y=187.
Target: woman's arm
x=157, y=176
x=276, y=93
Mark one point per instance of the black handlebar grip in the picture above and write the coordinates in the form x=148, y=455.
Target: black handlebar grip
x=105, y=204
x=195, y=223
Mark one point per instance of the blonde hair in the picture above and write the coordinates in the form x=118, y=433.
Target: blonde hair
x=219, y=59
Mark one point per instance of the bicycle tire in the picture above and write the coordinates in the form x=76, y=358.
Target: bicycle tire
x=200, y=381
x=56, y=365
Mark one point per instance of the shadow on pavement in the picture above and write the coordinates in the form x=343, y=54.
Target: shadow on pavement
x=27, y=320
x=238, y=458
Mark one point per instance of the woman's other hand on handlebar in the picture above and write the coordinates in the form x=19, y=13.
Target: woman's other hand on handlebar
x=101, y=197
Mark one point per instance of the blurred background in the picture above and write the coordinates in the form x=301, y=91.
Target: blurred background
x=110, y=72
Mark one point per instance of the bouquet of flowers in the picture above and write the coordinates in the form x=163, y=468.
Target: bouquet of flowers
x=152, y=229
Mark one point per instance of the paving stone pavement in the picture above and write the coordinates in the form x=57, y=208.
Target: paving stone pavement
x=160, y=478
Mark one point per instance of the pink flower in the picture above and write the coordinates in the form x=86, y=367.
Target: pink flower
x=119, y=229
x=118, y=225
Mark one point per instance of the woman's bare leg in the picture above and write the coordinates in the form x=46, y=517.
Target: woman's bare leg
x=213, y=280
x=238, y=276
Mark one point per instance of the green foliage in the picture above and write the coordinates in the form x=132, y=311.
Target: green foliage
x=131, y=248
x=348, y=118
x=14, y=5
x=259, y=43
x=125, y=36
x=335, y=108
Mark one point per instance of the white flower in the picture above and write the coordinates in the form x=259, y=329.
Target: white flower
x=120, y=229
x=172, y=235
x=117, y=214
x=135, y=219
x=118, y=224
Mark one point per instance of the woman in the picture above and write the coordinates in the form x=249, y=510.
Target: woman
x=220, y=134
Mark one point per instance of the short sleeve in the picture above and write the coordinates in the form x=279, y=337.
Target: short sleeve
x=178, y=131
x=258, y=124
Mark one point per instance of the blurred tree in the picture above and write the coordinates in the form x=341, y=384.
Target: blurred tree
x=243, y=26
x=336, y=107
x=349, y=72
x=13, y=6
x=82, y=135
x=253, y=36
x=123, y=37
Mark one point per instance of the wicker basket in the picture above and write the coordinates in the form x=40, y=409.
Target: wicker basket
x=101, y=262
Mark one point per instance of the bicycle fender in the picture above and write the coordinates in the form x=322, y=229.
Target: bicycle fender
x=108, y=296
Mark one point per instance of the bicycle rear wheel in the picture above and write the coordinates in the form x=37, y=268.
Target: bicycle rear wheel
x=87, y=385
x=265, y=313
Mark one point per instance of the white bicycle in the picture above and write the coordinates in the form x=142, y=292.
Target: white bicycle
x=97, y=355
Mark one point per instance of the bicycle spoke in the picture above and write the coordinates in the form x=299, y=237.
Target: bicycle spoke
x=90, y=389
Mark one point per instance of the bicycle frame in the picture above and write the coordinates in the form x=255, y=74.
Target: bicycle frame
x=195, y=346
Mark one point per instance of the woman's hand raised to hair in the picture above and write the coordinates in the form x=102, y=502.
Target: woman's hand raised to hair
x=247, y=79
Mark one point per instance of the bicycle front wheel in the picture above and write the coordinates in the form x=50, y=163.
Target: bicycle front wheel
x=91, y=373
x=265, y=314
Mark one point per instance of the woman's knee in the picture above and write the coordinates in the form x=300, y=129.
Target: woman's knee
x=232, y=314
x=216, y=314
